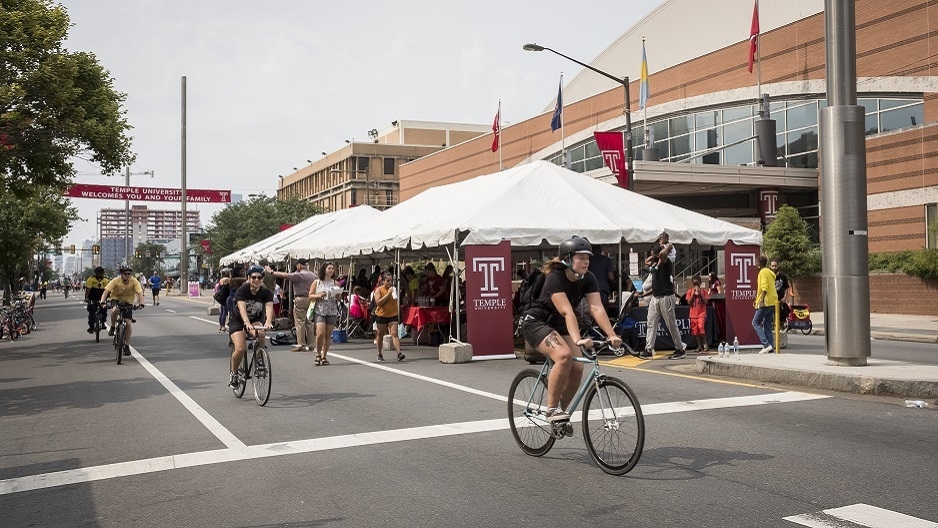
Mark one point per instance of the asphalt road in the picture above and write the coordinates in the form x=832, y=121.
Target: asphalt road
x=161, y=441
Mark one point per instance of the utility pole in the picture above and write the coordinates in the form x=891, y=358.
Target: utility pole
x=184, y=245
x=127, y=175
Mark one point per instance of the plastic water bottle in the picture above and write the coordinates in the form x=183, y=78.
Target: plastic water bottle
x=721, y=351
x=735, y=346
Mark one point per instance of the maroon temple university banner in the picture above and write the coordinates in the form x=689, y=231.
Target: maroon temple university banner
x=488, y=299
x=147, y=194
x=612, y=147
x=742, y=272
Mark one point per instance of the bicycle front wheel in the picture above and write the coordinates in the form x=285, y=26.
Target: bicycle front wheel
x=238, y=390
x=262, y=376
x=119, y=342
x=613, y=426
x=527, y=402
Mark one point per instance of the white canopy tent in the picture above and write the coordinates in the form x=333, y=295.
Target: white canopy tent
x=531, y=205
x=272, y=247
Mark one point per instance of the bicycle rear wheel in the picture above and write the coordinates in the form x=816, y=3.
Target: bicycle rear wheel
x=613, y=426
x=527, y=401
x=262, y=376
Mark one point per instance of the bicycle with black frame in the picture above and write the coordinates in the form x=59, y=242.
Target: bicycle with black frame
x=125, y=312
x=257, y=368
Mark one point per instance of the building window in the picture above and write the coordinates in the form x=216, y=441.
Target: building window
x=389, y=166
x=931, y=225
x=361, y=163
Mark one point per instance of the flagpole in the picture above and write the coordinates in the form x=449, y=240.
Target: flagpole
x=563, y=147
x=759, y=68
x=644, y=90
x=499, y=135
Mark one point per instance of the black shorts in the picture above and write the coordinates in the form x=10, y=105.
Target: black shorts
x=386, y=320
x=237, y=324
x=535, y=330
x=156, y=291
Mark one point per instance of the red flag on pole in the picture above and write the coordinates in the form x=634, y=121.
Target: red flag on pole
x=754, y=35
x=496, y=128
x=612, y=147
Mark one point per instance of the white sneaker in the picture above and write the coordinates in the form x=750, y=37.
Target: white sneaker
x=766, y=350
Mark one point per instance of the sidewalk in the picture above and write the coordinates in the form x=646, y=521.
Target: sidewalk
x=890, y=327
x=879, y=377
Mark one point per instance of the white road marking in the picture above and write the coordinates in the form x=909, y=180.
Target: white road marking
x=197, y=411
x=860, y=516
x=233, y=454
x=215, y=322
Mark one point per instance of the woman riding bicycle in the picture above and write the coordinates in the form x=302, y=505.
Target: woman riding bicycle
x=550, y=325
x=253, y=302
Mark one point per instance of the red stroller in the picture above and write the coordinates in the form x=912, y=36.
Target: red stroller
x=799, y=318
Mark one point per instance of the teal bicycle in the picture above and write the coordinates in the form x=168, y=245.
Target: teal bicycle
x=613, y=425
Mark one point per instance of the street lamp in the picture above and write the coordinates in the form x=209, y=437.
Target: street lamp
x=628, y=112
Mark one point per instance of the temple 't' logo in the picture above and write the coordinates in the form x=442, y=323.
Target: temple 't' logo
x=488, y=267
x=743, y=262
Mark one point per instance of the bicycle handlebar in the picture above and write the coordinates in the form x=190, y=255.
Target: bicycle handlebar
x=592, y=353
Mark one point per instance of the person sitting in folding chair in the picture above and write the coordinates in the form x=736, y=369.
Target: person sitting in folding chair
x=359, y=319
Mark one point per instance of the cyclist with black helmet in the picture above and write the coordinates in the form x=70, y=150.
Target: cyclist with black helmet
x=125, y=289
x=94, y=289
x=253, y=302
x=550, y=325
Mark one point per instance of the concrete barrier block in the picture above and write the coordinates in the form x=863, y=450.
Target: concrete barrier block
x=455, y=353
x=213, y=310
x=387, y=344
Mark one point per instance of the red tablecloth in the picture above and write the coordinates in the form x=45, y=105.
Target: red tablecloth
x=419, y=317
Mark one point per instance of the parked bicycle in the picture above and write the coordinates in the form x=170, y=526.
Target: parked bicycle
x=125, y=312
x=613, y=425
x=257, y=368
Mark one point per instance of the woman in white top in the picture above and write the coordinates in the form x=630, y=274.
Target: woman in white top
x=325, y=293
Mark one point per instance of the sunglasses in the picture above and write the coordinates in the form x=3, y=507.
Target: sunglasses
x=125, y=273
x=256, y=277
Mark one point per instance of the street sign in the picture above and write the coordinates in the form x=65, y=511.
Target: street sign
x=207, y=246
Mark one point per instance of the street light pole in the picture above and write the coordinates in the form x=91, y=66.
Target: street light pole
x=624, y=81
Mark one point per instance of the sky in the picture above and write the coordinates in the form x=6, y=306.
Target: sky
x=272, y=84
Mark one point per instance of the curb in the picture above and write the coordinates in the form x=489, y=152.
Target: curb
x=856, y=384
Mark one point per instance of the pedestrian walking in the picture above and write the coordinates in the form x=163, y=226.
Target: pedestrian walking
x=300, y=280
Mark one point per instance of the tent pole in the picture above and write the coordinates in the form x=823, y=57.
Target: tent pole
x=619, y=277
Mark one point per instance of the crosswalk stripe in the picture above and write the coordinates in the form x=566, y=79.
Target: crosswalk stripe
x=859, y=516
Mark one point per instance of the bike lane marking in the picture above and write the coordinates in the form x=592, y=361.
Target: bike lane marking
x=242, y=452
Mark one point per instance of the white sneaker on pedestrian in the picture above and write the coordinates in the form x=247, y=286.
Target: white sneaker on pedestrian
x=766, y=350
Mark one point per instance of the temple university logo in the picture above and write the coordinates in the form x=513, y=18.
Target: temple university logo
x=743, y=262
x=488, y=267
x=768, y=205
x=613, y=159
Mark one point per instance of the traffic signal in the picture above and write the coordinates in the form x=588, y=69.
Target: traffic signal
x=136, y=253
x=71, y=249
x=96, y=249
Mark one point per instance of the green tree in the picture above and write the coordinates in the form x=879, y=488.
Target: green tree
x=242, y=224
x=55, y=106
x=150, y=258
x=787, y=240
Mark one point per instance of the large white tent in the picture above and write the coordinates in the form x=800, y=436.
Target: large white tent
x=275, y=246
x=531, y=205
